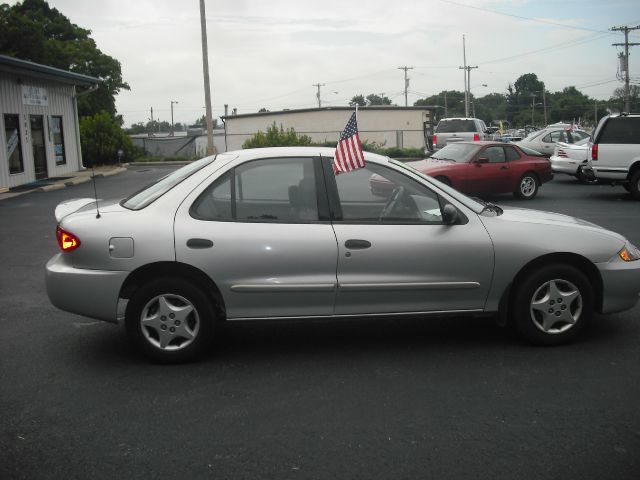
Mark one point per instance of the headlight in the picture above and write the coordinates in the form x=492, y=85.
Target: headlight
x=629, y=253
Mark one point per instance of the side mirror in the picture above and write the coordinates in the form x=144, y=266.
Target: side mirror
x=449, y=214
x=482, y=160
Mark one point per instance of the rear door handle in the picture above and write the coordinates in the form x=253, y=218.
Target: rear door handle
x=199, y=243
x=504, y=168
x=355, y=244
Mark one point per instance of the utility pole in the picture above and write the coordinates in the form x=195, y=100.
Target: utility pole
x=151, y=125
x=544, y=103
x=467, y=77
x=626, y=45
x=172, y=102
x=205, y=69
x=406, y=83
x=318, y=85
x=445, y=104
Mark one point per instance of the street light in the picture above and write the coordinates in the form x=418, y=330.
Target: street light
x=172, y=102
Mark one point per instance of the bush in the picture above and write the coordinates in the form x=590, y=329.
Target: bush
x=277, y=137
x=393, y=152
x=101, y=137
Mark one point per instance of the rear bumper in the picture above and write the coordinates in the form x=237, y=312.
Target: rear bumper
x=621, y=285
x=91, y=293
x=564, y=165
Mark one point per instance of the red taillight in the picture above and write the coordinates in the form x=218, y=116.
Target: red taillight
x=476, y=137
x=594, y=151
x=67, y=240
x=435, y=140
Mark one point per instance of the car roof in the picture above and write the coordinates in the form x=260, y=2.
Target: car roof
x=250, y=153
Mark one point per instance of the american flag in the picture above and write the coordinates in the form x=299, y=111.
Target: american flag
x=349, y=155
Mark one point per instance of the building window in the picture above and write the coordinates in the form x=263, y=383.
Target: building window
x=58, y=140
x=14, y=148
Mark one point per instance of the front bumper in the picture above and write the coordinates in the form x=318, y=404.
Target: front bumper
x=91, y=293
x=621, y=285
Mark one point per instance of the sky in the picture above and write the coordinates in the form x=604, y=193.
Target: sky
x=269, y=54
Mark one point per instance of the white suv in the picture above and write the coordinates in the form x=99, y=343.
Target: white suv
x=615, y=151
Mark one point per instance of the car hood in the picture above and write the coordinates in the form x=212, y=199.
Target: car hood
x=430, y=164
x=514, y=214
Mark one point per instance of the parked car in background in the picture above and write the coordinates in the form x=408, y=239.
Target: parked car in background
x=571, y=158
x=615, y=151
x=544, y=140
x=274, y=233
x=483, y=168
x=452, y=130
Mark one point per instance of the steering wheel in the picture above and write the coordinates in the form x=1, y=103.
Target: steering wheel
x=396, y=194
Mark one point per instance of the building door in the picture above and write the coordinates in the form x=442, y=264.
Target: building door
x=38, y=147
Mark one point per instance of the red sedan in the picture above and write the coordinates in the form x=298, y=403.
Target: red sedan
x=481, y=168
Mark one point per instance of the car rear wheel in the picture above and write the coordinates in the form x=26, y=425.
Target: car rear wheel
x=552, y=305
x=170, y=320
x=527, y=187
x=634, y=185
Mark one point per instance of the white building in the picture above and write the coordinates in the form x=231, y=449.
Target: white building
x=39, y=118
x=388, y=126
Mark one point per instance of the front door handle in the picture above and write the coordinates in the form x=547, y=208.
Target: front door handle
x=355, y=244
x=504, y=168
x=199, y=243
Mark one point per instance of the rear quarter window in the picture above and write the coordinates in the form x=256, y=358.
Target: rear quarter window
x=621, y=130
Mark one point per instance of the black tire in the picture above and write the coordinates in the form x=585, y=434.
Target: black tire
x=552, y=305
x=444, y=180
x=582, y=178
x=182, y=334
x=634, y=185
x=527, y=187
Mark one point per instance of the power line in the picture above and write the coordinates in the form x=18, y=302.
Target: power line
x=521, y=17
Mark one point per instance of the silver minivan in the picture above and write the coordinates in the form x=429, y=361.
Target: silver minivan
x=450, y=130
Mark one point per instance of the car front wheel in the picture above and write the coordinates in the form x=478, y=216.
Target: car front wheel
x=170, y=320
x=553, y=305
x=527, y=187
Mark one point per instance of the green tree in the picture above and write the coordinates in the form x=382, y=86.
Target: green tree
x=358, y=100
x=374, y=99
x=617, y=99
x=277, y=137
x=31, y=30
x=450, y=103
x=101, y=138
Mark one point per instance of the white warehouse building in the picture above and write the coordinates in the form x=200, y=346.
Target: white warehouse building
x=388, y=126
x=39, y=121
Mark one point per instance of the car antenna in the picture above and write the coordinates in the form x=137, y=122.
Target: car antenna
x=95, y=190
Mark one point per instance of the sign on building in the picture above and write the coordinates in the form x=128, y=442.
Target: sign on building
x=35, y=96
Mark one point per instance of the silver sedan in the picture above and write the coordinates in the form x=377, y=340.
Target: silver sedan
x=274, y=233
x=544, y=141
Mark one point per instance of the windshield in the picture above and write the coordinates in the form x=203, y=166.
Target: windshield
x=458, y=152
x=155, y=190
x=461, y=197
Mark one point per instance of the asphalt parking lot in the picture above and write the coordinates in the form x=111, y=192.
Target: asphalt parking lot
x=358, y=399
